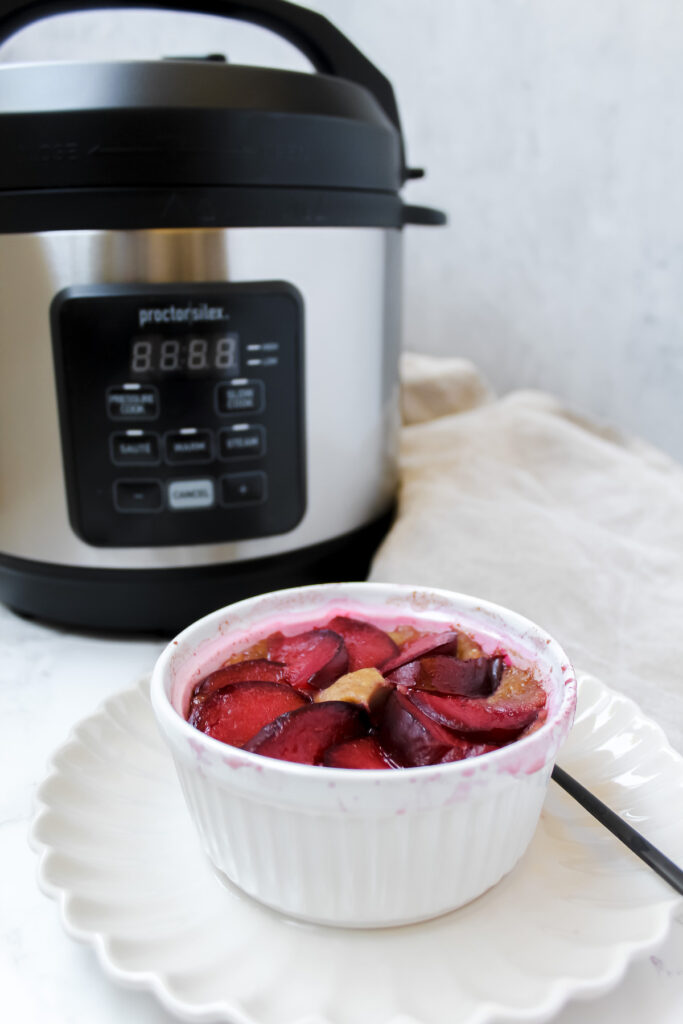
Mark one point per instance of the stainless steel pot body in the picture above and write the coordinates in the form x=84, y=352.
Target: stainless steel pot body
x=349, y=281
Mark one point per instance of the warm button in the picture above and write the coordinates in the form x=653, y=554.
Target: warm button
x=242, y=440
x=184, y=494
x=138, y=496
x=243, y=488
x=189, y=445
x=240, y=395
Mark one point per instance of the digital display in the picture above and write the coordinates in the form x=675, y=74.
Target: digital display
x=210, y=356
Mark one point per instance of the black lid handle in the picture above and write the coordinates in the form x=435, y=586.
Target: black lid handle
x=330, y=52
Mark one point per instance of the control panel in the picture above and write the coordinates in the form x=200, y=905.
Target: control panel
x=181, y=411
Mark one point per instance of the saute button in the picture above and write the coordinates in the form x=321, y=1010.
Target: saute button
x=133, y=402
x=138, y=495
x=243, y=488
x=240, y=395
x=184, y=494
x=134, y=447
x=189, y=446
x=242, y=440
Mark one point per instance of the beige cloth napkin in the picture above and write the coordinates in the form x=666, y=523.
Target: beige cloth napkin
x=523, y=502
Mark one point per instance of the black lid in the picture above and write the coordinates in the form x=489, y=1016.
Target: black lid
x=199, y=141
x=183, y=123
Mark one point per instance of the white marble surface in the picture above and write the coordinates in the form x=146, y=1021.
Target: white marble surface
x=50, y=679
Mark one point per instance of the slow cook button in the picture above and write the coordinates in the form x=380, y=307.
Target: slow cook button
x=240, y=395
x=133, y=402
x=134, y=448
x=188, y=446
x=242, y=440
x=243, y=488
x=185, y=494
x=138, y=496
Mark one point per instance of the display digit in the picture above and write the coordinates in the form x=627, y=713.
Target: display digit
x=197, y=354
x=141, y=361
x=170, y=355
x=226, y=353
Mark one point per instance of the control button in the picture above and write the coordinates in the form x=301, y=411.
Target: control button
x=243, y=488
x=138, y=496
x=183, y=494
x=133, y=402
x=240, y=395
x=189, y=445
x=134, y=448
x=242, y=440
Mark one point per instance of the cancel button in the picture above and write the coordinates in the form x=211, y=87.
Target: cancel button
x=183, y=494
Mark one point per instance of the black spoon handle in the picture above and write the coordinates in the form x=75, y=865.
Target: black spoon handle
x=618, y=827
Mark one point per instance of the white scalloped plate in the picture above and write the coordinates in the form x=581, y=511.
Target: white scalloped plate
x=119, y=853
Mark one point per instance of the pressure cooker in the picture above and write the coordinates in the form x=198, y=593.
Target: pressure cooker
x=200, y=274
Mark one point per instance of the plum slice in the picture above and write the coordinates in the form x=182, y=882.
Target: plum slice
x=430, y=643
x=405, y=676
x=363, y=753
x=305, y=734
x=257, y=671
x=368, y=646
x=494, y=718
x=496, y=671
x=410, y=737
x=315, y=658
x=450, y=675
x=238, y=711
x=476, y=677
x=463, y=749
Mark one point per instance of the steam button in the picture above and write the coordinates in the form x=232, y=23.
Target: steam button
x=242, y=440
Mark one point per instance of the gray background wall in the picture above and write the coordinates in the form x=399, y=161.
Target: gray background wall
x=551, y=131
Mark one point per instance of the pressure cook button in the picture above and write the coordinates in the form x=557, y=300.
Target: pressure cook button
x=185, y=494
x=134, y=448
x=133, y=402
x=189, y=445
x=244, y=488
x=242, y=440
x=138, y=496
x=240, y=395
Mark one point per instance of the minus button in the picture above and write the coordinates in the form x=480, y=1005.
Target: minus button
x=138, y=496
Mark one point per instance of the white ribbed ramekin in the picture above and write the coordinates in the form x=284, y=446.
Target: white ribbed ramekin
x=361, y=848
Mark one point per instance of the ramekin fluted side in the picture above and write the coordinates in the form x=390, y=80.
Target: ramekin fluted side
x=352, y=870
